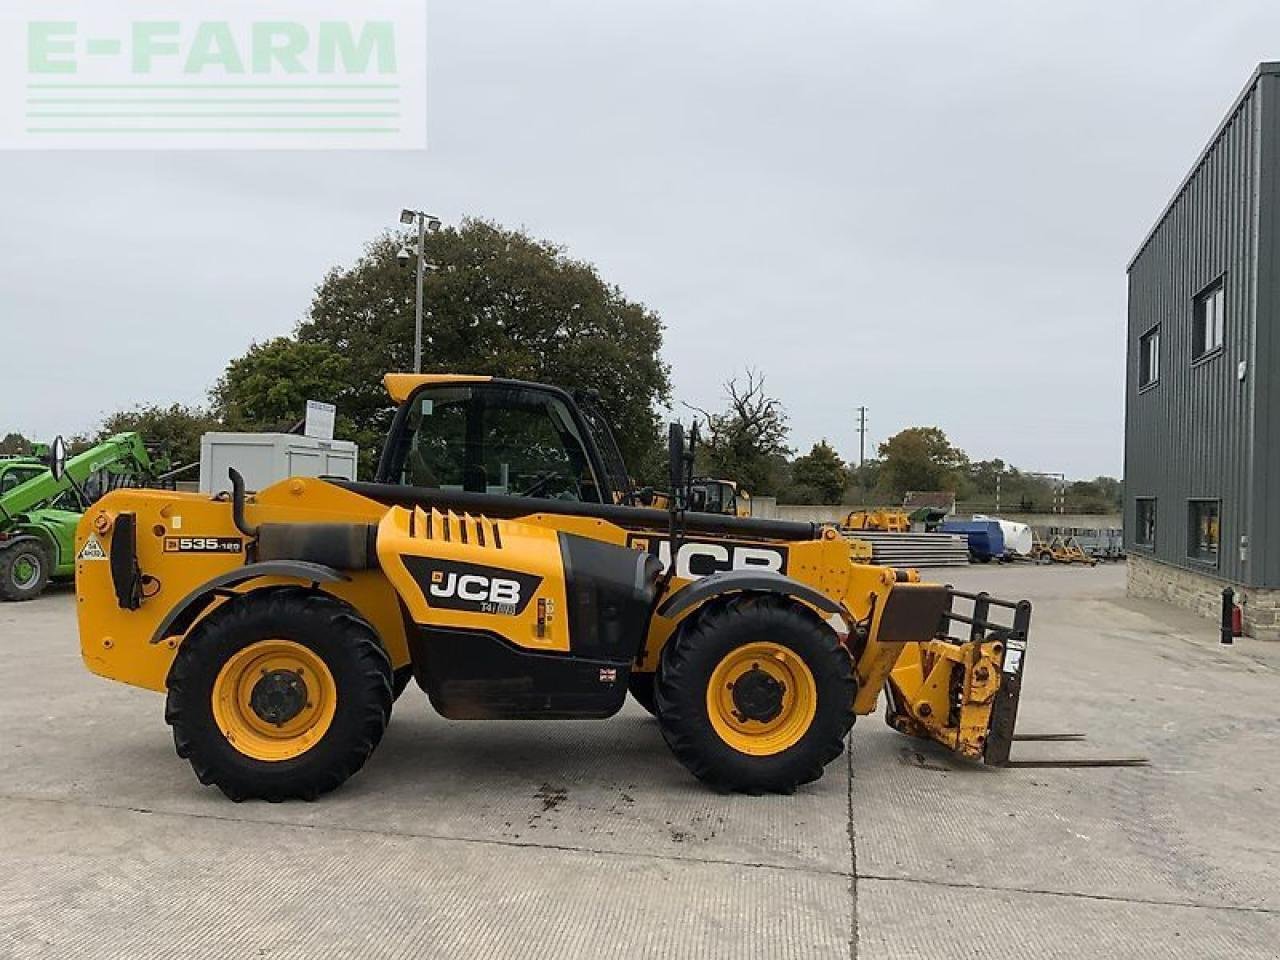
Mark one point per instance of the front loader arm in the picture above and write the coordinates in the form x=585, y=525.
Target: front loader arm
x=121, y=453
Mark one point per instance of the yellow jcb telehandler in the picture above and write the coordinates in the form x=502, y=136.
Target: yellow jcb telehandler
x=707, y=495
x=501, y=562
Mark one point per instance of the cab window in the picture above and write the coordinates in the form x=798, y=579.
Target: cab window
x=17, y=477
x=500, y=440
x=728, y=500
x=714, y=500
x=719, y=498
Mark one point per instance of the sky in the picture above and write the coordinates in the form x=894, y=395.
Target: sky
x=923, y=207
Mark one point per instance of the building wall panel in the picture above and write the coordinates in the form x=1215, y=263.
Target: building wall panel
x=1188, y=436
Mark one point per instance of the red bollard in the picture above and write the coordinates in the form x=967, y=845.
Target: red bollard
x=1228, y=616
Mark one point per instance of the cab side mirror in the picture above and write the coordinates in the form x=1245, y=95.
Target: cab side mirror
x=58, y=458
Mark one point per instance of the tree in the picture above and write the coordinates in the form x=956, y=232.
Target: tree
x=983, y=475
x=921, y=458
x=821, y=471
x=175, y=430
x=268, y=389
x=746, y=442
x=499, y=302
x=1100, y=495
x=865, y=483
x=14, y=443
x=270, y=385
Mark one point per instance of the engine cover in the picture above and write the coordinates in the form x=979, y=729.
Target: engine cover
x=513, y=620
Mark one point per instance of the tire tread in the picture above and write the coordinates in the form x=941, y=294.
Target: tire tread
x=219, y=628
x=9, y=556
x=681, y=693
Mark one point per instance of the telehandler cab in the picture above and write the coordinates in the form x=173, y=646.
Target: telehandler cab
x=501, y=561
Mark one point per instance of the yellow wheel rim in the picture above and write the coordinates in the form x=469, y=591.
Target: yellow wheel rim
x=761, y=699
x=274, y=700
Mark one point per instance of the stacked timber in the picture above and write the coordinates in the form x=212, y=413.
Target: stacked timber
x=914, y=549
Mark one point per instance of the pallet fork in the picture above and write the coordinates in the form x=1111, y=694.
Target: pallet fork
x=963, y=691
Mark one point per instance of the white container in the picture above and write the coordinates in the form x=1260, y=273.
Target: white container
x=267, y=458
x=1017, y=536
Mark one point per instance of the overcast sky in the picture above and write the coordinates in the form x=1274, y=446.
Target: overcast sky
x=924, y=207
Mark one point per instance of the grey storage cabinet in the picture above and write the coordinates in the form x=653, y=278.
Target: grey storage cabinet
x=267, y=458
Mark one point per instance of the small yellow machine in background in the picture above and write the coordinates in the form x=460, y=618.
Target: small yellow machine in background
x=882, y=518
x=725, y=497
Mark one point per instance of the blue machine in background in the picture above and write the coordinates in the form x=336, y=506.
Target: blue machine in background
x=986, y=539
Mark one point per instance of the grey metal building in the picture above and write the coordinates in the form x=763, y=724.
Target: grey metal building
x=1202, y=425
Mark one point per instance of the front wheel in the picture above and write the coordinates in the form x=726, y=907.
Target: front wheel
x=24, y=570
x=755, y=693
x=279, y=695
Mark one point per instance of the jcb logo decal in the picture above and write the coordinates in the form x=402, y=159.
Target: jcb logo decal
x=701, y=558
x=475, y=586
x=450, y=585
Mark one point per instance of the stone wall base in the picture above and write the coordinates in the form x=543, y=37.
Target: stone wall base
x=1203, y=595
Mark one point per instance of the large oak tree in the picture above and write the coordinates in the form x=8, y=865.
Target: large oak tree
x=498, y=302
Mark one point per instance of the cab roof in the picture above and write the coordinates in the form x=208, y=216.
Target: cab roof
x=401, y=385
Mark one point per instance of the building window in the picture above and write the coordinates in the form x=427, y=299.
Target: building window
x=1203, y=529
x=1209, y=321
x=1145, y=533
x=1149, y=358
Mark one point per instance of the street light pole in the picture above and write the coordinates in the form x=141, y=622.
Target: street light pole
x=425, y=222
x=862, y=435
x=417, y=311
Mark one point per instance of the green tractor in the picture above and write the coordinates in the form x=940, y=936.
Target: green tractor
x=42, y=498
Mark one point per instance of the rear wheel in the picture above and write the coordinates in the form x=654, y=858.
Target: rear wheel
x=280, y=695
x=755, y=693
x=24, y=570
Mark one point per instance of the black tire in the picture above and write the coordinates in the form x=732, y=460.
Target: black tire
x=335, y=633
x=24, y=570
x=689, y=660
x=400, y=681
x=641, y=686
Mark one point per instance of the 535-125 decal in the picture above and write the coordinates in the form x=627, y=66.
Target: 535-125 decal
x=203, y=545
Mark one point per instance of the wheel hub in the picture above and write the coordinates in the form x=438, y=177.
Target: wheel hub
x=758, y=696
x=761, y=698
x=278, y=696
x=26, y=571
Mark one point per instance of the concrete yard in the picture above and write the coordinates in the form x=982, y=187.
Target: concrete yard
x=588, y=840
